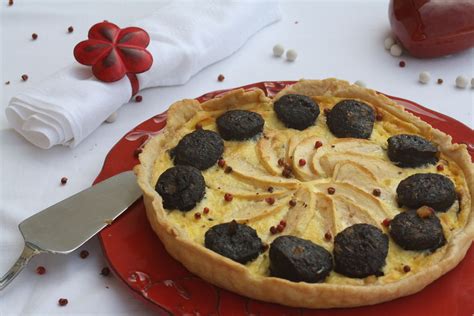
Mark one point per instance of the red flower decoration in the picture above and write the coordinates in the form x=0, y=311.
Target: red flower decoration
x=113, y=52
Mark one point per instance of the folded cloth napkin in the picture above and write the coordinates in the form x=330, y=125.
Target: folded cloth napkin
x=185, y=37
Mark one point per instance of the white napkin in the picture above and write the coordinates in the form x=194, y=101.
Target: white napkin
x=185, y=37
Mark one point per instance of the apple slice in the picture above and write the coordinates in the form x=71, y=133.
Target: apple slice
x=379, y=168
x=348, y=214
x=270, y=148
x=257, y=211
x=305, y=150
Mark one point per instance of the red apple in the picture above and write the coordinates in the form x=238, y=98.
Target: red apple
x=432, y=28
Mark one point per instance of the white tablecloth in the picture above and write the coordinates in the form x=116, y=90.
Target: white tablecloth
x=342, y=39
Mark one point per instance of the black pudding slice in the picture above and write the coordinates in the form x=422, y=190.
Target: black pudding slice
x=360, y=250
x=412, y=232
x=411, y=150
x=426, y=189
x=299, y=260
x=296, y=111
x=181, y=187
x=351, y=118
x=200, y=149
x=235, y=241
x=239, y=124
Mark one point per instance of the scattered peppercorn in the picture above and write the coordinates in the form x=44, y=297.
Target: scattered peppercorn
x=84, y=254
x=282, y=222
x=406, y=269
x=291, y=55
x=396, y=50
x=270, y=200
x=265, y=247
x=228, y=197
x=280, y=228
x=273, y=230
x=270, y=189
x=424, y=77
x=138, y=98
x=24, y=77
x=34, y=36
x=281, y=162
x=278, y=50
x=376, y=192
x=287, y=172
x=379, y=116
x=331, y=190
x=198, y=126
x=205, y=210
x=70, y=29
x=360, y=83
x=402, y=64
x=292, y=203
x=220, y=78
x=440, y=167
x=386, y=222
x=63, y=301
x=440, y=81
x=326, y=111
x=63, y=180
x=388, y=42
x=302, y=162
x=461, y=82
x=328, y=236
x=7, y=82
x=424, y=212
x=318, y=144
x=221, y=163
x=197, y=215
x=105, y=271
x=40, y=270
x=228, y=169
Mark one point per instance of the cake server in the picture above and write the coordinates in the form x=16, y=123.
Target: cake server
x=65, y=226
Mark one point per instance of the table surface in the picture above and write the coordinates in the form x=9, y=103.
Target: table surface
x=342, y=39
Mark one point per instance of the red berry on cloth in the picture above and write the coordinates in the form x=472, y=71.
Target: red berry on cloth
x=63, y=301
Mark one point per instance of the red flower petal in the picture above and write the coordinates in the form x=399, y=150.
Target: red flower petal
x=104, y=31
x=89, y=51
x=133, y=36
x=135, y=60
x=109, y=68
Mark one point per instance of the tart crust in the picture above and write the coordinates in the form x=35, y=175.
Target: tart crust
x=235, y=277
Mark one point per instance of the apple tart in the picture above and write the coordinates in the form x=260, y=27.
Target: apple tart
x=328, y=195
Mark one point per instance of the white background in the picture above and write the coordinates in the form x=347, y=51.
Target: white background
x=342, y=39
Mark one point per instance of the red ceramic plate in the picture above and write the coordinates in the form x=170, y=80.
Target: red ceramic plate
x=139, y=259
